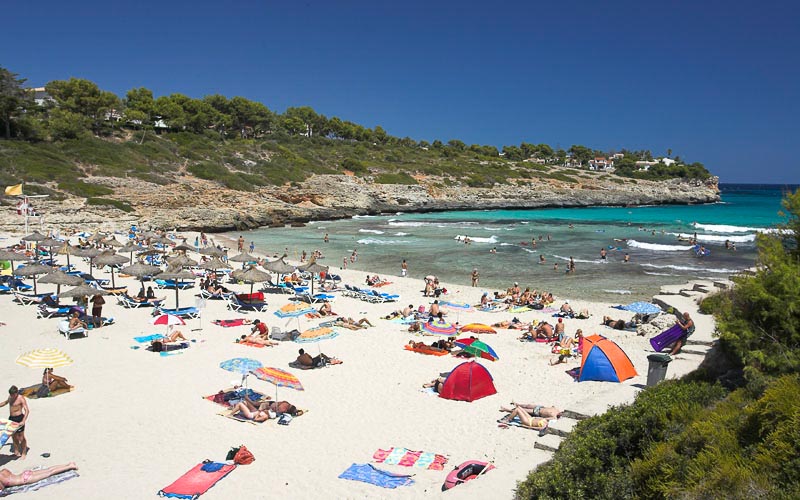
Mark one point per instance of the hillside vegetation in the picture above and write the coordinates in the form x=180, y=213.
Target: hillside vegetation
x=75, y=130
x=728, y=430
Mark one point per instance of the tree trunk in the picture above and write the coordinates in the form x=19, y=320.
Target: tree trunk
x=8, y=126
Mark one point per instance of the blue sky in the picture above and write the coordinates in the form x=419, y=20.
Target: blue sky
x=714, y=81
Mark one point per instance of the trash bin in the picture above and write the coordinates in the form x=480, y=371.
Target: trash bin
x=657, y=369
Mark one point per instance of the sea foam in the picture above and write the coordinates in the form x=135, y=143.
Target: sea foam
x=657, y=247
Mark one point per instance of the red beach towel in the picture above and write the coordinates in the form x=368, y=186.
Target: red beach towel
x=195, y=482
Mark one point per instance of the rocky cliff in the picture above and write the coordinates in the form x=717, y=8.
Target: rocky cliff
x=195, y=204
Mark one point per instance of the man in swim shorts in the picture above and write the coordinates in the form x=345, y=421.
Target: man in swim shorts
x=539, y=411
x=18, y=412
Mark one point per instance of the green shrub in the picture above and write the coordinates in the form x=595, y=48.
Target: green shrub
x=84, y=189
x=121, y=205
x=395, y=178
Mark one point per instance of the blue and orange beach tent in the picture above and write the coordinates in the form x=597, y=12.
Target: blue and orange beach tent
x=604, y=361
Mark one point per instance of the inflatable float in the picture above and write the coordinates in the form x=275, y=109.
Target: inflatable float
x=700, y=253
x=467, y=471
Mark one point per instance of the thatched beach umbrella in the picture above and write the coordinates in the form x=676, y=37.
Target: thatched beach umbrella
x=212, y=251
x=129, y=247
x=214, y=264
x=59, y=278
x=89, y=253
x=252, y=275
x=49, y=244
x=140, y=271
x=183, y=247
x=177, y=274
x=280, y=267
x=11, y=256
x=243, y=257
x=112, y=242
x=181, y=260
x=32, y=270
x=81, y=292
x=35, y=237
x=97, y=236
x=313, y=268
x=112, y=260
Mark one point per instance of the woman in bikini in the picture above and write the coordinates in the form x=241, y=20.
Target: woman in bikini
x=525, y=418
x=8, y=478
x=53, y=381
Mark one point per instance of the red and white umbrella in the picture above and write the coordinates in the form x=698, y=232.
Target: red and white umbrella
x=167, y=319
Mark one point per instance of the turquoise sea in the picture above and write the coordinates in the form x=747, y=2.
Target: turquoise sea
x=649, y=235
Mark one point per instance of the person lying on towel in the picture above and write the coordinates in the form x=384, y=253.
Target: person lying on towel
x=525, y=418
x=273, y=409
x=539, y=411
x=8, y=478
x=256, y=339
x=305, y=359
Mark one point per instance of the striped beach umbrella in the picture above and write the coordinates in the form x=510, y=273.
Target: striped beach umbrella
x=477, y=348
x=477, y=328
x=316, y=335
x=44, y=358
x=439, y=327
x=279, y=378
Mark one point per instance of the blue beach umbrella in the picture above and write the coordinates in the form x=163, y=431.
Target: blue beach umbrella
x=241, y=365
x=641, y=308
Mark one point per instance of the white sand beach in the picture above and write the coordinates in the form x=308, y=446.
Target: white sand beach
x=137, y=420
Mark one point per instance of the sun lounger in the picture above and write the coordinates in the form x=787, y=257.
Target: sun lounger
x=235, y=304
x=215, y=296
x=183, y=312
x=4, y=289
x=28, y=299
x=384, y=297
x=63, y=328
x=172, y=284
x=127, y=301
x=52, y=312
x=316, y=298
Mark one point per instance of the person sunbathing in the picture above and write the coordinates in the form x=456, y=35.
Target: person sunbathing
x=8, y=478
x=545, y=331
x=254, y=415
x=326, y=309
x=319, y=361
x=75, y=321
x=53, y=381
x=566, y=308
x=435, y=384
x=525, y=418
x=276, y=407
x=256, y=339
x=352, y=324
x=539, y=411
x=485, y=301
x=616, y=324
x=423, y=345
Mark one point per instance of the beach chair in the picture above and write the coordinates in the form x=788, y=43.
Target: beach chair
x=26, y=299
x=91, y=280
x=183, y=312
x=4, y=289
x=63, y=329
x=172, y=284
x=316, y=298
x=238, y=305
x=127, y=301
x=46, y=312
x=215, y=296
x=384, y=297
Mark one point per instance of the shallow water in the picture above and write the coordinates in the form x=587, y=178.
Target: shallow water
x=649, y=235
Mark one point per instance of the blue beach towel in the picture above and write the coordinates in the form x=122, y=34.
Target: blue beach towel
x=366, y=473
x=148, y=338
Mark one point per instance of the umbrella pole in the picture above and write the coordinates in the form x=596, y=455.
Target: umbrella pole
x=113, y=284
x=34, y=284
x=177, y=304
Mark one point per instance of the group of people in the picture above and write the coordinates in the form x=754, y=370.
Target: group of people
x=515, y=296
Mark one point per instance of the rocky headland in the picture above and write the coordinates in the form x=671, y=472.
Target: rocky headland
x=191, y=203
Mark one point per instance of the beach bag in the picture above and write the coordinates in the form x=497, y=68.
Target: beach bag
x=243, y=456
x=232, y=453
x=43, y=391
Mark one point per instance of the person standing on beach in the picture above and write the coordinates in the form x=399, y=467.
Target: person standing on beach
x=475, y=277
x=344, y=263
x=404, y=268
x=240, y=244
x=252, y=246
x=18, y=412
x=97, y=310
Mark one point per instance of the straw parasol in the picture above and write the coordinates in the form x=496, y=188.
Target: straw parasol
x=177, y=275
x=214, y=264
x=112, y=242
x=279, y=266
x=11, y=256
x=59, y=278
x=313, y=268
x=252, y=275
x=243, y=257
x=49, y=244
x=140, y=271
x=82, y=291
x=35, y=237
x=32, y=270
x=111, y=260
x=89, y=253
x=183, y=247
x=181, y=260
x=212, y=251
x=97, y=236
x=129, y=247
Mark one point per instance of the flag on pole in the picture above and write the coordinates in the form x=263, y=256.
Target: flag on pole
x=14, y=190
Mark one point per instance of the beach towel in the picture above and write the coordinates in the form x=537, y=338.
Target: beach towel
x=427, y=350
x=249, y=344
x=366, y=473
x=298, y=366
x=32, y=392
x=227, y=323
x=408, y=458
x=195, y=482
x=666, y=338
x=54, y=479
x=7, y=428
x=229, y=397
x=148, y=338
x=519, y=309
x=516, y=422
x=237, y=416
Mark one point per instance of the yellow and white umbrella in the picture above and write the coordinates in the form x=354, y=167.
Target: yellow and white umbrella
x=44, y=358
